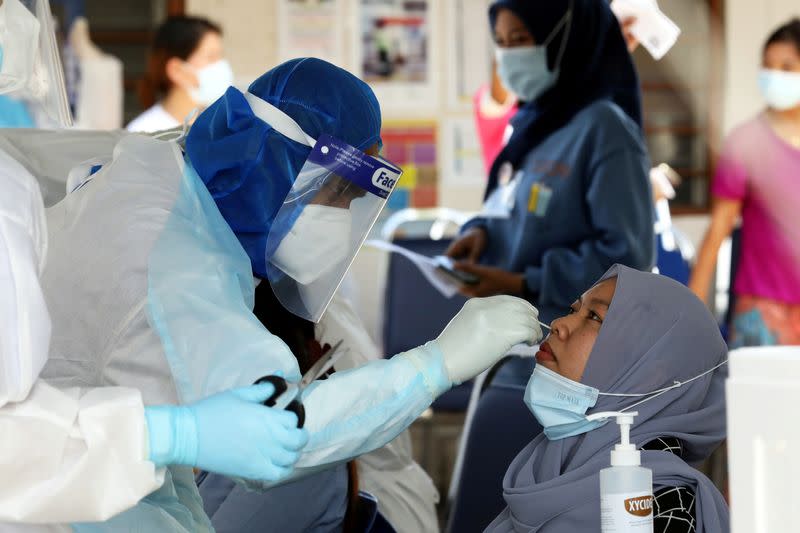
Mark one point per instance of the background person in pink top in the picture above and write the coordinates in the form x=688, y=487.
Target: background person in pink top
x=758, y=178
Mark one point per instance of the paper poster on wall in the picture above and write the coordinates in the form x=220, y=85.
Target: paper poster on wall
x=469, y=51
x=393, y=50
x=311, y=28
x=461, y=161
x=412, y=146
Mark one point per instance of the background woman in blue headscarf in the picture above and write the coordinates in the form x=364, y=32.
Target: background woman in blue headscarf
x=576, y=165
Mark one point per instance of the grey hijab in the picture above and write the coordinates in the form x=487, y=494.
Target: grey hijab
x=655, y=332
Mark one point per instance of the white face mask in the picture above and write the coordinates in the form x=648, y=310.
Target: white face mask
x=19, y=46
x=318, y=241
x=781, y=89
x=213, y=80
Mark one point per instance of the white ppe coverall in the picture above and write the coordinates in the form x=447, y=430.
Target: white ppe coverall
x=65, y=454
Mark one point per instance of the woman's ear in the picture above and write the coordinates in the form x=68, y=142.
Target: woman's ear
x=179, y=74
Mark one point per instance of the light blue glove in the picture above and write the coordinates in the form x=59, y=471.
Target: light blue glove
x=230, y=433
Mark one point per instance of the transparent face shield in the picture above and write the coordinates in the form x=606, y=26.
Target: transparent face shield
x=331, y=208
x=30, y=65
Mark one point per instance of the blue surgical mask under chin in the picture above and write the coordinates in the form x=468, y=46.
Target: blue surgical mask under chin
x=560, y=404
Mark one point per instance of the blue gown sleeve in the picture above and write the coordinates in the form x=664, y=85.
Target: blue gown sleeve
x=360, y=410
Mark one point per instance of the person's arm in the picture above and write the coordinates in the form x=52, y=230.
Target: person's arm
x=360, y=410
x=471, y=242
x=357, y=411
x=728, y=191
x=724, y=215
x=85, y=455
x=74, y=455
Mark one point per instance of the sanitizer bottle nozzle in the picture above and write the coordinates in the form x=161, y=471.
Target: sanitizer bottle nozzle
x=624, y=453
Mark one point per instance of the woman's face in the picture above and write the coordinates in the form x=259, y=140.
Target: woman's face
x=782, y=56
x=208, y=51
x=568, y=346
x=183, y=74
x=510, y=31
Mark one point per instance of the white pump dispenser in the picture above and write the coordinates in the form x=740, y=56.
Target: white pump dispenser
x=626, y=488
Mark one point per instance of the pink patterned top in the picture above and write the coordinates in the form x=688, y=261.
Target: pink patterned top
x=762, y=170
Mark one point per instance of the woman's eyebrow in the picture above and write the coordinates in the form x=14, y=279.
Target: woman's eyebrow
x=599, y=302
x=594, y=300
x=518, y=32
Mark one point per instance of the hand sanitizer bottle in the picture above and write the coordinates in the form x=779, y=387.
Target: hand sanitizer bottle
x=626, y=488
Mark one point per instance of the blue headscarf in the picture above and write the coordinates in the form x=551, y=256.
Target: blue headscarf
x=249, y=168
x=596, y=66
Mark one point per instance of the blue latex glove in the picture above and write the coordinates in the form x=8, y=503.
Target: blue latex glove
x=230, y=433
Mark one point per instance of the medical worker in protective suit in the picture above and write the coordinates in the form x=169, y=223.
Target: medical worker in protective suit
x=155, y=254
x=83, y=453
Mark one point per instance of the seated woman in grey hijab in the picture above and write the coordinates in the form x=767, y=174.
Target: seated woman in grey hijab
x=626, y=340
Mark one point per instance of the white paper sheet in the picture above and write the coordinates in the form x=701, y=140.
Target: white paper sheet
x=425, y=264
x=654, y=30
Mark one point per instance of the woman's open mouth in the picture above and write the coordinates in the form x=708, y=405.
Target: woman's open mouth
x=545, y=353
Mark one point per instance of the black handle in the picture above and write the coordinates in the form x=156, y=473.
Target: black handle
x=280, y=387
x=297, y=408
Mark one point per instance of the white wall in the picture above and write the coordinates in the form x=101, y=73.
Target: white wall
x=251, y=38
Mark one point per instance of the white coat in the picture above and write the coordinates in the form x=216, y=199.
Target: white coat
x=63, y=452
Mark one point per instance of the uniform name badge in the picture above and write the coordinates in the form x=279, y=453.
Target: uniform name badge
x=539, y=199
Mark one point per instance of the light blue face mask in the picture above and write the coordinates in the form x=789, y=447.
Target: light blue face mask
x=781, y=89
x=560, y=404
x=524, y=70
